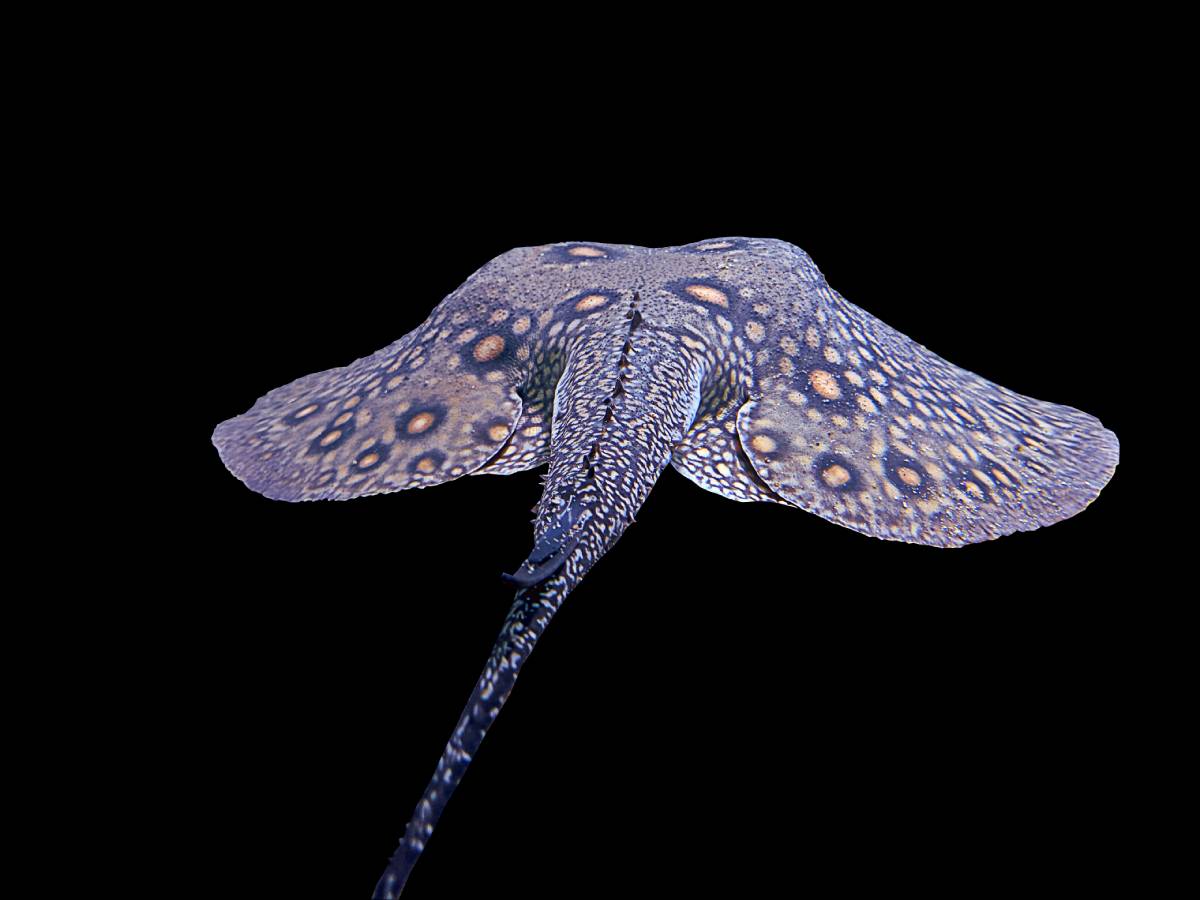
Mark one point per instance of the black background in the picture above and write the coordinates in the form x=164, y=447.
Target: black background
x=738, y=694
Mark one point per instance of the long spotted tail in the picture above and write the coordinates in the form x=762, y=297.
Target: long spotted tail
x=530, y=613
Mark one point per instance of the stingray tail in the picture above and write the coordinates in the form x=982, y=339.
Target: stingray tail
x=530, y=613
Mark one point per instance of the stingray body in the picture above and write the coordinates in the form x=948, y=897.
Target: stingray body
x=731, y=359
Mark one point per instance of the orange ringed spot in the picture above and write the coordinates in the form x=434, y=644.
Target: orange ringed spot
x=343, y=418
x=420, y=422
x=330, y=438
x=498, y=432
x=426, y=464
x=908, y=476
x=763, y=444
x=307, y=411
x=706, y=294
x=835, y=475
x=586, y=251
x=489, y=348
x=590, y=302
x=369, y=460
x=825, y=384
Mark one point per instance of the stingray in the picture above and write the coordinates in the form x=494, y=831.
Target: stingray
x=730, y=359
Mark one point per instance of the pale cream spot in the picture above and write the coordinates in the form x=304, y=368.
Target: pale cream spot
x=724, y=469
x=788, y=345
x=1002, y=478
x=929, y=505
x=835, y=476
x=395, y=382
x=555, y=329
x=812, y=337
x=934, y=472
x=343, y=419
x=877, y=394
x=330, y=438
x=852, y=358
x=426, y=464
x=725, y=324
x=917, y=422
x=888, y=369
x=719, y=245
x=831, y=355
x=825, y=384
x=762, y=309
x=467, y=336
x=897, y=432
x=876, y=376
x=369, y=460
x=763, y=443
x=498, y=316
x=839, y=420
x=352, y=402
x=495, y=376
x=691, y=343
x=956, y=453
x=755, y=331
x=489, y=348
x=307, y=411
x=586, y=251
x=590, y=302
x=545, y=317
x=785, y=365
x=532, y=430
x=706, y=294
x=973, y=489
x=498, y=432
x=797, y=398
x=900, y=398
x=522, y=353
x=417, y=363
x=422, y=421
x=854, y=378
x=813, y=415
x=520, y=325
x=909, y=476
x=865, y=404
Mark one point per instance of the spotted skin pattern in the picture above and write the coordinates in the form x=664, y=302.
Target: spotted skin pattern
x=731, y=359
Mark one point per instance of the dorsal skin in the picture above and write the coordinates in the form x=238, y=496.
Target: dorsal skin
x=730, y=358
